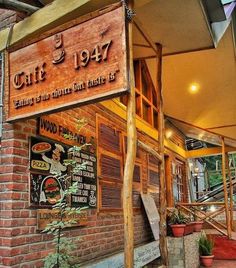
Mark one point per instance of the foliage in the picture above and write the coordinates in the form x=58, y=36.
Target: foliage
x=215, y=176
x=177, y=217
x=205, y=245
x=62, y=257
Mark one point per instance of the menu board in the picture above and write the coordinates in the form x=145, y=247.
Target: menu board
x=86, y=195
x=47, y=171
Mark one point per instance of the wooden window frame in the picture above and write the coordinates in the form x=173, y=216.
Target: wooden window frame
x=102, y=180
x=141, y=70
x=154, y=167
x=183, y=184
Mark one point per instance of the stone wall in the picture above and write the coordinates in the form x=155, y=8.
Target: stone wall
x=183, y=251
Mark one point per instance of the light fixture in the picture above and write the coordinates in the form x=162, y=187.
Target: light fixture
x=168, y=133
x=200, y=136
x=194, y=88
x=212, y=208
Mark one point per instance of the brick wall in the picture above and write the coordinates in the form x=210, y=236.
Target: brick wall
x=21, y=245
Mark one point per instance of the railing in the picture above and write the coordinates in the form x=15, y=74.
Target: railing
x=199, y=211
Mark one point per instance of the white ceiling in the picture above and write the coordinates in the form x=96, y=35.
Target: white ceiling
x=179, y=25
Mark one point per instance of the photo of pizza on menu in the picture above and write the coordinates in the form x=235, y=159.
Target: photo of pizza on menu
x=48, y=171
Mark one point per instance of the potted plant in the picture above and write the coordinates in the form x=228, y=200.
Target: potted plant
x=189, y=228
x=177, y=223
x=205, y=250
x=197, y=224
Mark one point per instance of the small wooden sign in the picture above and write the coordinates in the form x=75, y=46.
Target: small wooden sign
x=46, y=216
x=53, y=127
x=152, y=214
x=79, y=65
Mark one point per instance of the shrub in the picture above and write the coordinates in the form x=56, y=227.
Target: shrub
x=206, y=245
x=177, y=217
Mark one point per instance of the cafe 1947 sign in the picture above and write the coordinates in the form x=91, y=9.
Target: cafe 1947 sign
x=81, y=64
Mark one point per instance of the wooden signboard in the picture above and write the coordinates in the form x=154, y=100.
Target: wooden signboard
x=46, y=171
x=79, y=65
x=86, y=195
x=53, y=127
x=45, y=216
x=152, y=214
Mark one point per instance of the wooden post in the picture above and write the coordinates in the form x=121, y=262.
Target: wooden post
x=162, y=188
x=130, y=159
x=225, y=189
x=230, y=193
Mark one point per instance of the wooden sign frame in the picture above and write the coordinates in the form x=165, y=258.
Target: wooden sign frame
x=81, y=62
x=152, y=214
x=46, y=216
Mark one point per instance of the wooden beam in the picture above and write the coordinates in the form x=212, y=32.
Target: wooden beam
x=18, y=6
x=148, y=39
x=141, y=45
x=162, y=187
x=150, y=150
x=225, y=188
x=207, y=221
x=130, y=157
x=201, y=128
x=201, y=204
x=208, y=151
x=231, y=192
x=115, y=106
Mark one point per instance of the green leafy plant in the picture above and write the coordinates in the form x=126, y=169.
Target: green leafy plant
x=177, y=217
x=206, y=245
x=62, y=256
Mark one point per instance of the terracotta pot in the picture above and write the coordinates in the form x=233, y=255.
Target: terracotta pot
x=197, y=226
x=189, y=228
x=178, y=229
x=206, y=261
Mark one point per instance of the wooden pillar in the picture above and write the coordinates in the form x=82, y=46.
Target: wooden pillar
x=225, y=188
x=162, y=187
x=230, y=193
x=130, y=159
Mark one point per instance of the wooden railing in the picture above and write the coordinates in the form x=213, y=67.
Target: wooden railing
x=199, y=212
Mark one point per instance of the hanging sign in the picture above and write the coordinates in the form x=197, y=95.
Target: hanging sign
x=79, y=65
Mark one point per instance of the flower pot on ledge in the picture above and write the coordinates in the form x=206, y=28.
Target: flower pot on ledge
x=207, y=261
x=197, y=226
x=178, y=229
x=189, y=228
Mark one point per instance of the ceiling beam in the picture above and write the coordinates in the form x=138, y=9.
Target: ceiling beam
x=208, y=152
x=18, y=6
x=141, y=45
x=201, y=128
x=145, y=35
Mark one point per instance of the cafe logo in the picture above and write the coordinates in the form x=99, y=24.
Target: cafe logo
x=59, y=51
